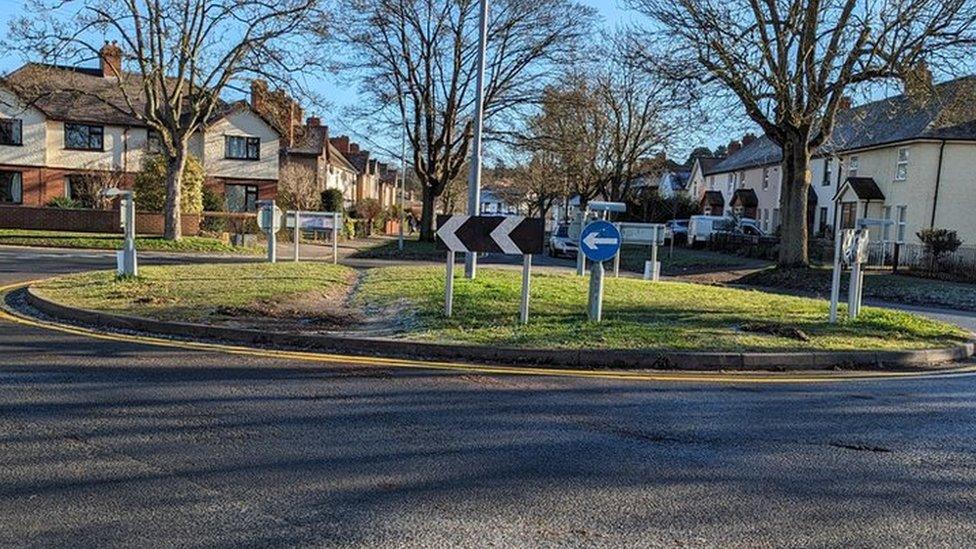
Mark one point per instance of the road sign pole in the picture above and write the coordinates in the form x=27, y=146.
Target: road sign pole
x=298, y=222
x=403, y=180
x=835, y=280
x=474, y=180
x=616, y=265
x=852, y=291
x=596, y=292
x=129, y=247
x=526, y=278
x=655, y=269
x=335, y=238
x=449, y=286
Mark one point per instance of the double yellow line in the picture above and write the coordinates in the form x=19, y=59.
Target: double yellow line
x=346, y=360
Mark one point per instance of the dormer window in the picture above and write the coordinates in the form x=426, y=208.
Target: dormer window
x=84, y=137
x=242, y=148
x=11, y=131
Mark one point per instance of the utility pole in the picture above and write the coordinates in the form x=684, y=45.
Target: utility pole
x=474, y=179
x=403, y=178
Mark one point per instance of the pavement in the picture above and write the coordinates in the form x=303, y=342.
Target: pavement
x=115, y=443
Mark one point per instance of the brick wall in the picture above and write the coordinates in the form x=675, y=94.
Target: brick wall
x=87, y=221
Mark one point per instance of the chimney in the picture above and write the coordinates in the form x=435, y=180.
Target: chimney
x=259, y=88
x=313, y=121
x=918, y=82
x=734, y=147
x=342, y=143
x=110, y=59
x=353, y=148
x=748, y=138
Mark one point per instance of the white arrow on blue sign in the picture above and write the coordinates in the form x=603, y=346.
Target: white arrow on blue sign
x=600, y=241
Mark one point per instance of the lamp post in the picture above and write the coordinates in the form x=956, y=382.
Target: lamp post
x=126, y=258
x=403, y=178
x=474, y=179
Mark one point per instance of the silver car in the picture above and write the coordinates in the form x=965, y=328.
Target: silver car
x=560, y=244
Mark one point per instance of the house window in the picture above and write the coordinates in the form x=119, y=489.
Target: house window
x=711, y=182
x=852, y=166
x=154, y=142
x=242, y=148
x=11, y=187
x=902, y=223
x=823, y=220
x=826, y=175
x=84, y=137
x=765, y=178
x=74, y=187
x=848, y=215
x=11, y=131
x=240, y=198
x=901, y=168
x=731, y=182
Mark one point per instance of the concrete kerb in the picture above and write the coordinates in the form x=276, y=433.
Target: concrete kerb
x=584, y=359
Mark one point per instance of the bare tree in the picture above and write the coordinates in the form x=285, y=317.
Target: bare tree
x=416, y=61
x=605, y=126
x=178, y=58
x=788, y=63
x=298, y=188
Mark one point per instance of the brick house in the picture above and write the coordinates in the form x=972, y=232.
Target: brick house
x=60, y=123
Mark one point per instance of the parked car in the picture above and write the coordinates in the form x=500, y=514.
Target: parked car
x=702, y=227
x=560, y=244
x=676, y=228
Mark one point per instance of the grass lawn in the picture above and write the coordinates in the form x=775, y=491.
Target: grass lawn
x=637, y=315
x=883, y=286
x=103, y=241
x=413, y=250
x=200, y=292
x=408, y=301
x=683, y=260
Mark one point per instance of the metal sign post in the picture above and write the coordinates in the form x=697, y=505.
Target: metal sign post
x=335, y=238
x=126, y=262
x=298, y=233
x=651, y=234
x=858, y=256
x=511, y=235
x=599, y=241
x=269, y=221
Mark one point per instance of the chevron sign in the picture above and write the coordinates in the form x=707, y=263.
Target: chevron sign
x=514, y=234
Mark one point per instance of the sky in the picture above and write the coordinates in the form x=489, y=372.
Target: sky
x=340, y=95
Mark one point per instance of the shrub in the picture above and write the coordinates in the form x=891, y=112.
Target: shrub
x=212, y=202
x=369, y=209
x=332, y=200
x=298, y=189
x=939, y=242
x=64, y=203
x=150, y=185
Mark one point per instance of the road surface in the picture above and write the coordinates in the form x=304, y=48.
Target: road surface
x=109, y=443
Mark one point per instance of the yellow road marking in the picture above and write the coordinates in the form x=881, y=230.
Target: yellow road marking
x=329, y=358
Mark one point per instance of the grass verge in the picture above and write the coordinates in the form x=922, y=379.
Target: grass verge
x=104, y=241
x=204, y=292
x=637, y=315
x=882, y=286
x=409, y=302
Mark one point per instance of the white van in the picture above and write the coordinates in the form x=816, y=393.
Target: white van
x=701, y=227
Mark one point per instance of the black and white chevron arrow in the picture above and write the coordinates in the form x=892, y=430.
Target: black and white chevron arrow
x=513, y=234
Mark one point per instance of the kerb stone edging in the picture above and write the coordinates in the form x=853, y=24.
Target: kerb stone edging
x=645, y=359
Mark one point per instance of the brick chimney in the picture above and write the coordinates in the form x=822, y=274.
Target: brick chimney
x=341, y=143
x=110, y=59
x=313, y=121
x=734, y=147
x=259, y=89
x=748, y=138
x=353, y=148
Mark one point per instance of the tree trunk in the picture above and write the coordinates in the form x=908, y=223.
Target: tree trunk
x=427, y=215
x=173, y=226
x=793, y=204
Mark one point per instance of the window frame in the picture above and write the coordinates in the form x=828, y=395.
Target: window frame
x=14, y=123
x=901, y=165
x=154, y=142
x=901, y=223
x=251, y=144
x=825, y=182
x=765, y=175
x=853, y=164
x=90, y=134
x=16, y=176
x=249, y=191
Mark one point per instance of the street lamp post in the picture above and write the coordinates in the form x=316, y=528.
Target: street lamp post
x=403, y=179
x=474, y=179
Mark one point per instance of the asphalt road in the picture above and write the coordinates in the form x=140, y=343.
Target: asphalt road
x=108, y=443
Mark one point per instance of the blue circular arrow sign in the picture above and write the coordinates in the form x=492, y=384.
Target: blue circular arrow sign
x=600, y=241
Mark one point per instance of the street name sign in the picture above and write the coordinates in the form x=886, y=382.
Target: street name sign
x=512, y=235
x=600, y=241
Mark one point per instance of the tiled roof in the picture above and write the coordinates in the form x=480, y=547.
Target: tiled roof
x=948, y=113
x=746, y=198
